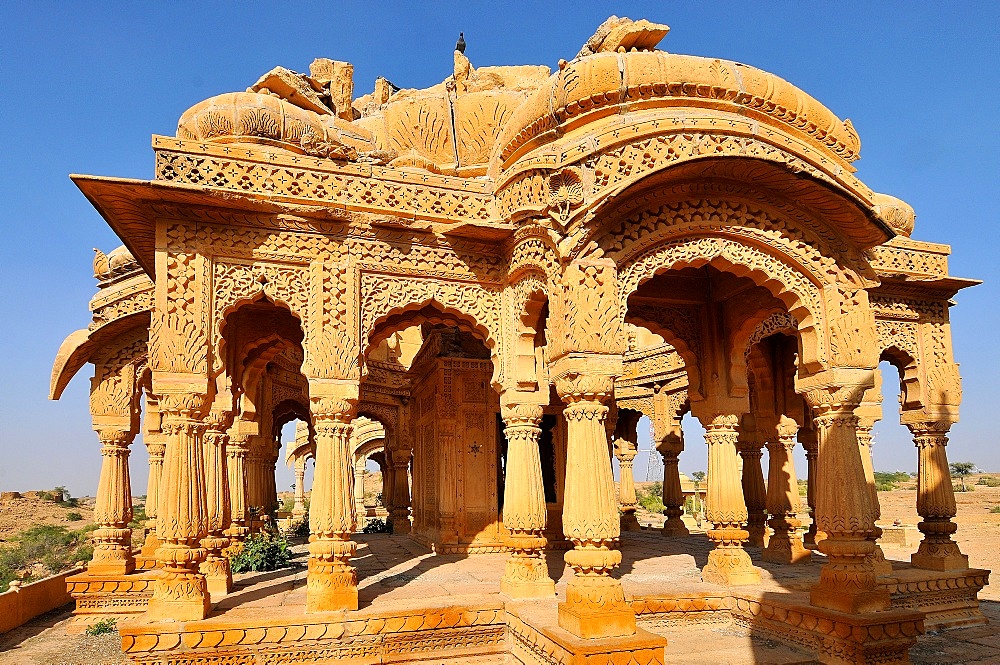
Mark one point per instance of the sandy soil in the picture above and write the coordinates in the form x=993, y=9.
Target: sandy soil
x=16, y=515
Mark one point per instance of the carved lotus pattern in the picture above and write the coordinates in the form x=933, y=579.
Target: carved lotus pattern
x=565, y=191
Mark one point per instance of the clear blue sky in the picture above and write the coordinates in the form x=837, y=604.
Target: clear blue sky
x=86, y=84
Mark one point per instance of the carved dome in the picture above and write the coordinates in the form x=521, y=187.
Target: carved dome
x=899, y=215
x=249, y=117
x=655, y=79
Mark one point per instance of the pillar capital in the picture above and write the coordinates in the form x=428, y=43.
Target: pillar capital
x=521, y=414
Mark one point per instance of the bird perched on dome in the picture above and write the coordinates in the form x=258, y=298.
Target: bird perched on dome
x=460, y=44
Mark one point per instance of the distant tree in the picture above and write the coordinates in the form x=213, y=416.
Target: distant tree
x=961, y=470
x=699, y=476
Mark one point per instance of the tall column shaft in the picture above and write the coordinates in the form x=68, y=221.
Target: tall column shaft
x=216, y=569
x=673, y=494
x=152, y=542
x=879, y=563
x=728, y=563
x=754, y=492
x=400, y=513
x=626, y=486
x=113, y=510
x=785, y=544
x=935, y=501
x=180, y=592
x=236, y=454
x=299, y=508
x=332, y=583
x=595, y=602
x=844, y=510
x=524, y=512
x=810, y=443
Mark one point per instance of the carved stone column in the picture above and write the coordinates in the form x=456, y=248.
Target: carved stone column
x=180, y=592
x=400, y=514
x=236, y=456
x=359, y=493
x=844, y=508
x=935, y=500
x=879, y=563
x=754, y=493
x=215, y=567
x=626, y=447
x=113, y=511
x=332, y=583
x=155, y=452
x=728, y=563
x=785, y=544
x=299, y=509
x=810, y=443
x=524, y=510
x=595, y=602
x=673, y=494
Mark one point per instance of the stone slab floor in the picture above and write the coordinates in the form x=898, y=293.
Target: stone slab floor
x=395, y=572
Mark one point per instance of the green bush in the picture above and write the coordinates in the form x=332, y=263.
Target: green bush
x=103, y=627
x=887, y=481
x=651, y=497
x=139, y=516
x=301, y=528
x=261, y=552
x=965, y=488
x=803, y=487
x=73, y=517
x=988, y=481
x=56, y=547
x=995, y=509
x=377, y=525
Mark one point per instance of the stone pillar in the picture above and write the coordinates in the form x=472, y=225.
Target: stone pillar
x=595, y=602
x=844, y=508
x=299, y=509
x=626, y=447
x=524, y=511
x=236, y=457
x=359, y=493
x=155, y=452
x=113, y=511
x=754, y=493
x=728, y=564
x=332, y=583
x=670, y=448
x=810, y=442
x=879, y=563
x=785, y=544
x=180, y=592
x=400, y=514
x=935, y=500
x=215, y=567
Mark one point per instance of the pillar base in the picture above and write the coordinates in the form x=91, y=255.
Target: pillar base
x=850, y=602
x=674, y=526
x=786, y=548
x=629, y=522
x=756, y=532
x=880, y=564
x=111, y=567
x=218, y=577
x=595, y=605
x=331, y=586
x=939, y=556
x=179, y=596
x=730, y=566
x=526, y=575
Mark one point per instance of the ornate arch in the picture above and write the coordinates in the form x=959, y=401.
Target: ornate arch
x=762, y=264
x=387, y=301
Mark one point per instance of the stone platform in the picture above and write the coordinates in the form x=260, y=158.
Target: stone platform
x=417, y=606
